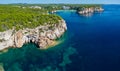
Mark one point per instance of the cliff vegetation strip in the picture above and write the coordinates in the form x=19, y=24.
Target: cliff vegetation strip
x=20, y=18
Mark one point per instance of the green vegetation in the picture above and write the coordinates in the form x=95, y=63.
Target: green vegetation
x=20, y=18
x=52, y=7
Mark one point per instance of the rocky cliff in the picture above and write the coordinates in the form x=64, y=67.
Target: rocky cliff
x=89, y=11
x=43, y=36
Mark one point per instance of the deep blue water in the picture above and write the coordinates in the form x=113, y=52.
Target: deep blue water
x=96, y=38
x=90, y=44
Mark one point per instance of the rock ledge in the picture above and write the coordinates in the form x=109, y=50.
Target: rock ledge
x=43, y=36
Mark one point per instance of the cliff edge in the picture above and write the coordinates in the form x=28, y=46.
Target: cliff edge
x=43, y=36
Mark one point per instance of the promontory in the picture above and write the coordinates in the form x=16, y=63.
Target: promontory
x=19, y=25
x=36, y=23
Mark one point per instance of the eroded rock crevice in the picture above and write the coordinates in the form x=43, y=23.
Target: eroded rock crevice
x=43, y=36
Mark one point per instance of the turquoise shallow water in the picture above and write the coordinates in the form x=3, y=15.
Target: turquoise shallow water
x=30, y=58
x=90, y=44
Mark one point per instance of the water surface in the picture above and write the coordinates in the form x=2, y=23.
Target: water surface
x=90, y=44
x=96, y=38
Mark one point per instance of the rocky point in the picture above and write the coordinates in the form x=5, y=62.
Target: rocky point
x=43, y=35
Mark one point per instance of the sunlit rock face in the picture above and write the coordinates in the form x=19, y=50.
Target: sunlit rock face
x=90, y=11
x=43, y=36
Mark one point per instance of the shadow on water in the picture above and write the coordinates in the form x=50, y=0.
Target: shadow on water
x=91, y=44
x=30, y=58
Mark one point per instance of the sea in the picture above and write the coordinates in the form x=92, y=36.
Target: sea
x=91, y=43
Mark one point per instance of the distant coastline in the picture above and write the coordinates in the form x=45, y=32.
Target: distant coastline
x=66, y=10
x=21, y=24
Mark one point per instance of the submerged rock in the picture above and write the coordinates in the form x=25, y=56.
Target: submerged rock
x=43, y=36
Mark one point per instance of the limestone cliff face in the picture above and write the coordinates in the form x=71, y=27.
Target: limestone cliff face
x=89, y=11
x=43, y=36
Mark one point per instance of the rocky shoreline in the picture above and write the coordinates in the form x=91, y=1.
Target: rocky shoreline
x=43, y=36
x=89, y=11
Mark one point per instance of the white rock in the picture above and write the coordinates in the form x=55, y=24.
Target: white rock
x=43, y=39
